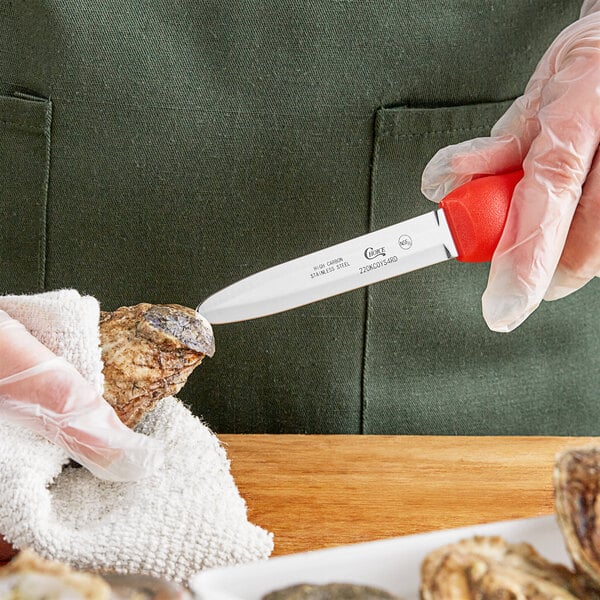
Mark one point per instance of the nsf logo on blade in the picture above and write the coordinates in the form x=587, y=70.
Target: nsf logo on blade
x=371, y=253
x=405, y=242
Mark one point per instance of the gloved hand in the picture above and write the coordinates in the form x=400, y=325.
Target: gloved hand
x=45, y=393
x=551, y=242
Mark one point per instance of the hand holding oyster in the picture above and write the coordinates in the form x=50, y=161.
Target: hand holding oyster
x=148, y=352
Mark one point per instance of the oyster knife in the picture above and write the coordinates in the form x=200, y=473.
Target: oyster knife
x=466, y=226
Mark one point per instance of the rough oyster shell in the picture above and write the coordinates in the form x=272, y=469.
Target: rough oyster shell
x=31, y=576
x=149, y=351
x=483, y=568
x=576, y=489
x=330, y=591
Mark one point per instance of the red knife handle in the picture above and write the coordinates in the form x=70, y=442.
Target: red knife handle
x=476, y=214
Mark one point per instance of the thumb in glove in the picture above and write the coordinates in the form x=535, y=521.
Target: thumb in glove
x=550, y=246
x=45, y=393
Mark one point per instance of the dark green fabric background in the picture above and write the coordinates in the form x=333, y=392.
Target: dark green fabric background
x=194, y=143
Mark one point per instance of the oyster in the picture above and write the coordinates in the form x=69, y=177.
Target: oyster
x=576, y=489
x=30, y=576
x=330, y=591
x=149, y=351
x=483, y=568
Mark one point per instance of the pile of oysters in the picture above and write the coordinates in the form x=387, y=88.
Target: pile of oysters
x=489, y=568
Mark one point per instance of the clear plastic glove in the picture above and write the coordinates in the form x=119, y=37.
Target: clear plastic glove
x=45, y=393
x=551, y=242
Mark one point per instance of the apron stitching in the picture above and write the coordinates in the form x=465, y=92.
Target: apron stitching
x=438, y=131
x=391, y=131
x=377, y=125
x=44, y=219
x=22, y=126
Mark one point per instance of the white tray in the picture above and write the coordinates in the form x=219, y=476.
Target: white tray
x=392, y=564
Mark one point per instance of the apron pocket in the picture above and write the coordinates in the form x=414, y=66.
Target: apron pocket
x=431, y=364
x=405, y=140
x=24, y=171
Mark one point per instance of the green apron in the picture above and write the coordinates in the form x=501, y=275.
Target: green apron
x=158, y=151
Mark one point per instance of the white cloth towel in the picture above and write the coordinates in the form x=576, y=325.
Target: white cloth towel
x=186, y=517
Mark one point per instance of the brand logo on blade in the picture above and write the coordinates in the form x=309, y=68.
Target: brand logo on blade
x=371, y=253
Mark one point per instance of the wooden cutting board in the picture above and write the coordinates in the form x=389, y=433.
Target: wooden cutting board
x=320, y=491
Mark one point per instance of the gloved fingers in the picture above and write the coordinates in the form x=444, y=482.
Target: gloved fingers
x=18, y=348
x=94, y=436
x=520, y=120
x=54, y=400
x=545, y=200
x=580, y=259
x=455, y=165
x=503, y=151
x=49, y=396
x=512, y=135
x=105, y=451
x=589, y=6
x=97, y=439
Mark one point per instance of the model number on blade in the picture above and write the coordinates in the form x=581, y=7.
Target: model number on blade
x=377, y=265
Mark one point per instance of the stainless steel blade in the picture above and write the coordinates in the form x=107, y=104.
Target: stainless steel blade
x=373, y=257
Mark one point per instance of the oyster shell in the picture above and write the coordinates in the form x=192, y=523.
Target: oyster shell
x=483, y=568
x=149, y=351
x=31, y=576
x=330, y=591
x=576, y=489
